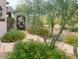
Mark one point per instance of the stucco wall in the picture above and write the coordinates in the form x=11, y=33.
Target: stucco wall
x=2, y=28
x=3, y=24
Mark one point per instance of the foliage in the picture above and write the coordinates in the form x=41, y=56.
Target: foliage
x=10, y=20
x=35, y=50
x=10, y=23
x=40, y=31
x=37, y=23
x=72, y=39
x=75, y=29
x=13, y=35
x=72, y=25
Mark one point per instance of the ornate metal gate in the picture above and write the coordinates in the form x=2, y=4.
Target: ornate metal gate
x=20, y=22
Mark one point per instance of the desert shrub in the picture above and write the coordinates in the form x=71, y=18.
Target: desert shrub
x=13, y=35
x=10, y=20
x=40, y=31
x=71, y=39
x=74, y=29
x=10, y=23
x=33, y=50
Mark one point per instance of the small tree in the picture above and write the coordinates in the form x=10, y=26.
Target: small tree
x=64, y=10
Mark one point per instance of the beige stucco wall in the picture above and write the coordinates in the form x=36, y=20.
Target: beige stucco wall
x=2, y=28
x=3, y=24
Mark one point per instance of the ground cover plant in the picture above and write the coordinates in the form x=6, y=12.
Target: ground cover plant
x=39, y=31
x=35, y=50
x=13, y=35
x=71, y=39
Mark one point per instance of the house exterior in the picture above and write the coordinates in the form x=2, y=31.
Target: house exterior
x=3, y=17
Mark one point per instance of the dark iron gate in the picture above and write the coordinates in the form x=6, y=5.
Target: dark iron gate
x=20, y=22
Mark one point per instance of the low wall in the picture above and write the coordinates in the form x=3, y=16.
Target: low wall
x=3, y=28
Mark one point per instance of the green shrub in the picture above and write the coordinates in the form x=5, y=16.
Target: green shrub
x=42, y=32
x=10, y=23
x=33, y=50
x=71, y=39
x=74, y=29
x=13, y=35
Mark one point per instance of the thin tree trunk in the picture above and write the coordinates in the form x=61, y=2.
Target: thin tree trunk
x=57, y=37
x=54, y=39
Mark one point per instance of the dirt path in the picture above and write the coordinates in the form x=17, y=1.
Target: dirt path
x=5, y=48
